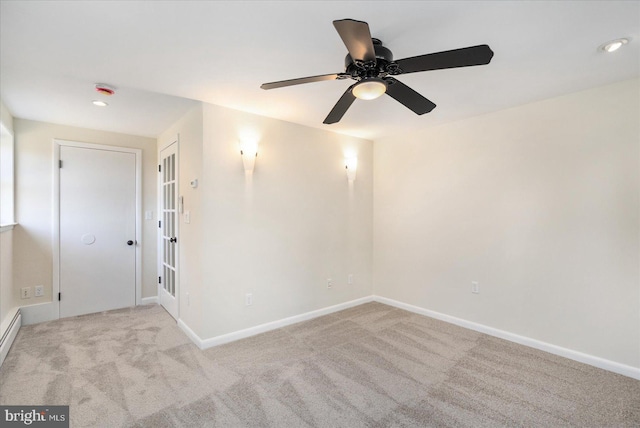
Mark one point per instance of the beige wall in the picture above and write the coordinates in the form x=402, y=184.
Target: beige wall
x=283, y=232
x=278, y=234
x=539, y=204
x=33, y=258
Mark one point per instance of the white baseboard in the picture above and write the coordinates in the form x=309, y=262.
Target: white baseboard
x=44, y=312
x=7, y=337
x=262, y=328
x=149, y=300
x=581, y=357
x=41, y=312
x=190, y=333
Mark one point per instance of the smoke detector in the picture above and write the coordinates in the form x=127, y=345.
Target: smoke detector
x=103, y=89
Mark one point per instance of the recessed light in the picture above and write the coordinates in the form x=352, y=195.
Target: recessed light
x=614, y=45
x=99, y=103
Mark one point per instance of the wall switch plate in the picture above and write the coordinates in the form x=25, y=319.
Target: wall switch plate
x=350, y=279
x=148, y=215
x=248, y=299
x=475, y=287
x=25, y=293
x=329, y=282
x=38, y=290
x=187, y=217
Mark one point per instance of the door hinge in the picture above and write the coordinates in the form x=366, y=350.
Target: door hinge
x=159, y=168
x=59, y=296
x=159, y=280
x=60, y=163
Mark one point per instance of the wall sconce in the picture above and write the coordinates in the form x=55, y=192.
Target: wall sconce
x=351, y=165
x=249, y=151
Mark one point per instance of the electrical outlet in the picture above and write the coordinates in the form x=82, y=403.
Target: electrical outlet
x=25, y=293
x=248, y=299
x=329, y=282
x=38, y=290
x=475, y=287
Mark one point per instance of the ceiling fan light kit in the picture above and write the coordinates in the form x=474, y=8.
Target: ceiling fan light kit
x=370, y=89
x=371, y=65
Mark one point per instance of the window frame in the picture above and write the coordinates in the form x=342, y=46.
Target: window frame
x=7, y=178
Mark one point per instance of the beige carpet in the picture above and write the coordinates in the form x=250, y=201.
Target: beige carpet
x=369, y=366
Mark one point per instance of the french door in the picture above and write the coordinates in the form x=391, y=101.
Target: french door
x=168, y=283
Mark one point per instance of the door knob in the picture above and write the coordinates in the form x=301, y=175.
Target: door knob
x=129, y=242
x=173, y=240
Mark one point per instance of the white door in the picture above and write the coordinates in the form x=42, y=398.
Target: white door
x=168, y=277
x=97, y=269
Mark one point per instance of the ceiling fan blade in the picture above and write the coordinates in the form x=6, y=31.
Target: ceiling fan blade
x=408, y=97
x=464, y=57
x=357, y=38
x=291, y=82
x=341, y=106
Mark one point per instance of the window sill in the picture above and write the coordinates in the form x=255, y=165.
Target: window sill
x=7, y=227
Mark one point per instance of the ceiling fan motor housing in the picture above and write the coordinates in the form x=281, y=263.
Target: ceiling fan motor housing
x=383, y=65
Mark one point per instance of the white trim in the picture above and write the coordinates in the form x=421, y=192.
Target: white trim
x=612, y=366
x=4, y=129
x=138, y=153
x=41, y=312
x=57, y=143
x=8, y=319
x=190, y=334
x=262, y=328
x=7, y=227
x=9, y=336
x=55, y=230
x=159, y=241
x=153, y=300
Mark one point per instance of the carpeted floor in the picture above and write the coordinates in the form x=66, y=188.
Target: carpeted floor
x=369, y=366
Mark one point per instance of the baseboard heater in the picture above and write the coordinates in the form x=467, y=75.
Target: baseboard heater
x=9, y=334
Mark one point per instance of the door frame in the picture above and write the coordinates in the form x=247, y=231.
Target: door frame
x=161, y=146
x=57, y=144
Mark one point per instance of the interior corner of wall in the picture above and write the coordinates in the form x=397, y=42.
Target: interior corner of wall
x=192, y=332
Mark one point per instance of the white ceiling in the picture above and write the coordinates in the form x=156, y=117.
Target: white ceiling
x=162, y=55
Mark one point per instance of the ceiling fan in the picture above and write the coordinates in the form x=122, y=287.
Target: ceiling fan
x=372, y=66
